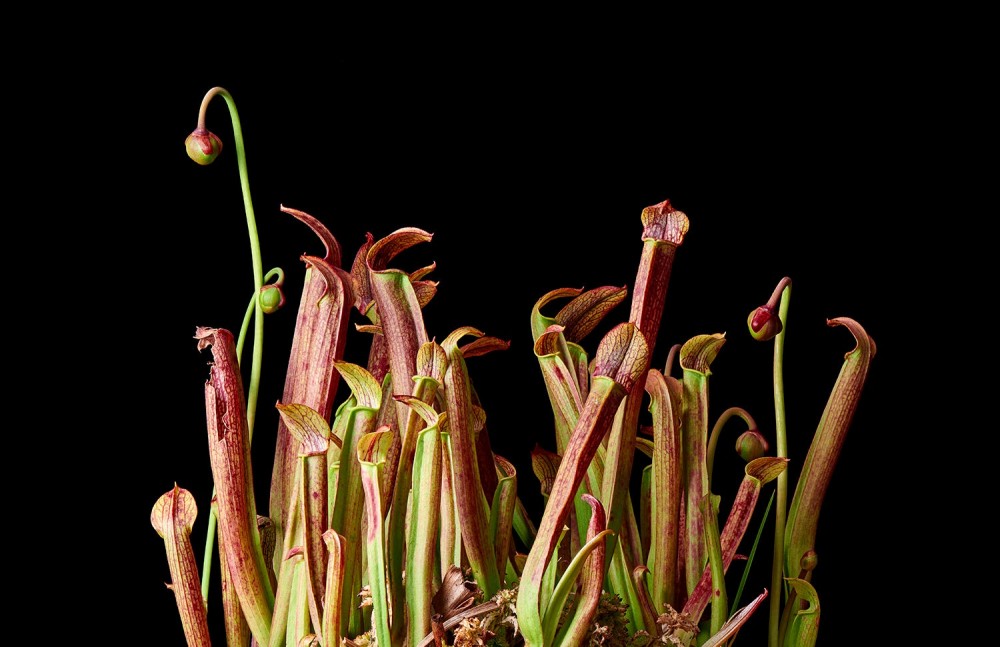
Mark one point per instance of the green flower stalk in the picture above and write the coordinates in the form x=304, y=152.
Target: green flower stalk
x=203, y=147
x=173, y=517
x=750, y=443
x=781, y=297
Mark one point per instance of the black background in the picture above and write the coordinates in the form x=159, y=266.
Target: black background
x=531, y=169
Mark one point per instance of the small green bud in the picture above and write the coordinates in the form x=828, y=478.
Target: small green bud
x=764, y=323
x=271, y=298
x=809, y=561
x=751, y=445
x=203, y=146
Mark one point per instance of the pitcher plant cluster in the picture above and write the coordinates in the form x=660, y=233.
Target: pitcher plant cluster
x=391, y=521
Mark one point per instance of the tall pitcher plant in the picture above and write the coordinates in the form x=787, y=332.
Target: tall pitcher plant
x=391, y=521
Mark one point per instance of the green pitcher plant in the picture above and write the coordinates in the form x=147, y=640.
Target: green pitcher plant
x=390, y=521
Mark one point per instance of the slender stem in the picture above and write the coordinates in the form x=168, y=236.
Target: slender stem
x=779, y=291
x=780, y=427
x=275, y=272
x=213, y=519
x=258, y=267
x=713, y=439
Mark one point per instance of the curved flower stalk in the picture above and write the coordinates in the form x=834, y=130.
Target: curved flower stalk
x=621, y=359
x=319, y=341
x=803, y=516
x=764, y=326
x=749, y=443
x=173, y=517
x=203, y=146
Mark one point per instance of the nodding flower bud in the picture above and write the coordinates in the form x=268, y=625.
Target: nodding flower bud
x=271, y=298
x=809, y=561
x=203, y=146
x=751, y=445
x=764, y=323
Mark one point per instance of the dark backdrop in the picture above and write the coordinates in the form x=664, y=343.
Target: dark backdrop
x=532, y=172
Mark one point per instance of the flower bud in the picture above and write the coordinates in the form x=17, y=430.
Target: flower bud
x=751, y=445
x=809, y=561
x=271, y=298
x=764, y=323
x=203, y=146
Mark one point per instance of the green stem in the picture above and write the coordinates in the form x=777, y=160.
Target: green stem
x=258, y=267
x=780, y=426
x=713, y=439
